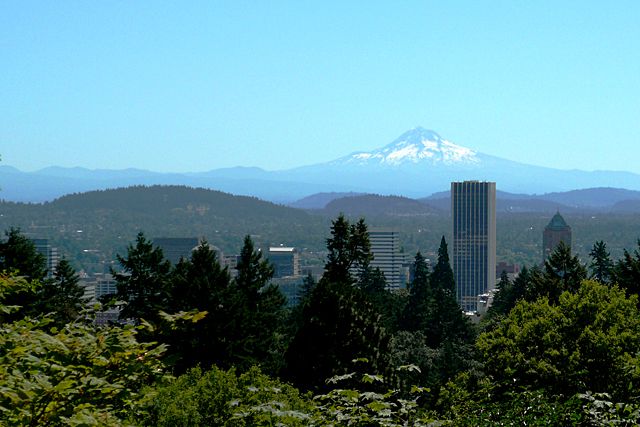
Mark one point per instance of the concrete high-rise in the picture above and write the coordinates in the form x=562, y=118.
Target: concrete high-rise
x=285, y=261
x=473, y=208
x=385, y=248
x=555, y=232
x=174, y=248
x=50, y=254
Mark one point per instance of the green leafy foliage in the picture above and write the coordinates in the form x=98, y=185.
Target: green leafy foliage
x=76, y=375
x=18, y=256
x=358, y=406
x=589, y=340
x=222, y=398
x=467, y=402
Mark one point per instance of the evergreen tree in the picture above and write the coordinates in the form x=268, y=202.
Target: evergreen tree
x=18, y=253
x=627, y=271
x=503, y=297
x=308, y=284
x=18, y=256
x=200, y=283
x=257, y=309
x=562, y=272
x=63, y=295
x=442, y=276
x=601, y=265
x=143, y=283
x=295, y=313
x=416, y=313
x=348, y=248
x=446, y=321
x=389, y=304
x=338, y=323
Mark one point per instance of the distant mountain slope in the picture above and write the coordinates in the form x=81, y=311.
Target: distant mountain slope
x=416, y=164
x=51, y=183
x=319, y=200
x=627, y=207
x=376, y=205
x=421, y=162
x=592, y=197
x=585, y=200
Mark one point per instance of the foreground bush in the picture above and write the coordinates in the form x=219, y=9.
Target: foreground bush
x=77, y=375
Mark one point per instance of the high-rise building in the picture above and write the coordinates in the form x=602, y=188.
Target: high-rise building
x=555, y=232
x=473, y=207
x=50, y=254
x=285, y=261
x=385, y=248
x=174, y=248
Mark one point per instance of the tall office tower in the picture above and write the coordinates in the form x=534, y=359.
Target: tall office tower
x=473, y=207
x=555, y=232
x=174, y=248
x=49, y=253
x=385, y=248
x=285, y=260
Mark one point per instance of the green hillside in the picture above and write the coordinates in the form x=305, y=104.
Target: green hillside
x=91, y=227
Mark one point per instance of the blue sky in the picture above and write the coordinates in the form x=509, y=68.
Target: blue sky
x=194, y=86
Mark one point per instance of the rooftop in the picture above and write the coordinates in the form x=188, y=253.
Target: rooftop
x=557, y=223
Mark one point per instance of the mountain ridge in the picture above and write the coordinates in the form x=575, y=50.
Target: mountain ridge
x=416, y=164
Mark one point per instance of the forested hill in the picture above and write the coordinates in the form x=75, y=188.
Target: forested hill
x=98, y=224
x=165, y=199
x=368, y=205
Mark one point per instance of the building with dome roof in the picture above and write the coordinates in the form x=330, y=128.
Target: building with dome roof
x=555, y=232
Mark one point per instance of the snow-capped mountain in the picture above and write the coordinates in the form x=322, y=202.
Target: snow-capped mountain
x=417, y=164
x=416, y=145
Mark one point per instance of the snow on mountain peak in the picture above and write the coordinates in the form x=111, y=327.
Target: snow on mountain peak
x=415, y=146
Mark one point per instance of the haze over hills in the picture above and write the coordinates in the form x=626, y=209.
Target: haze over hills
x=417, y=164
x=91, y=227
x=592, y=200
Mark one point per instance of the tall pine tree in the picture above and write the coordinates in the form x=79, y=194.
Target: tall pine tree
x=63, y=295
x=416, y=313
x=18, y=253
x=200, y=283
x=339, y=323
x=601, y=265
x=257, y=310
x=446, y=320
x=627, y=271
x=143, y=283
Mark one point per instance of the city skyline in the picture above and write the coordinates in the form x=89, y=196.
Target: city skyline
x=198, y=86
